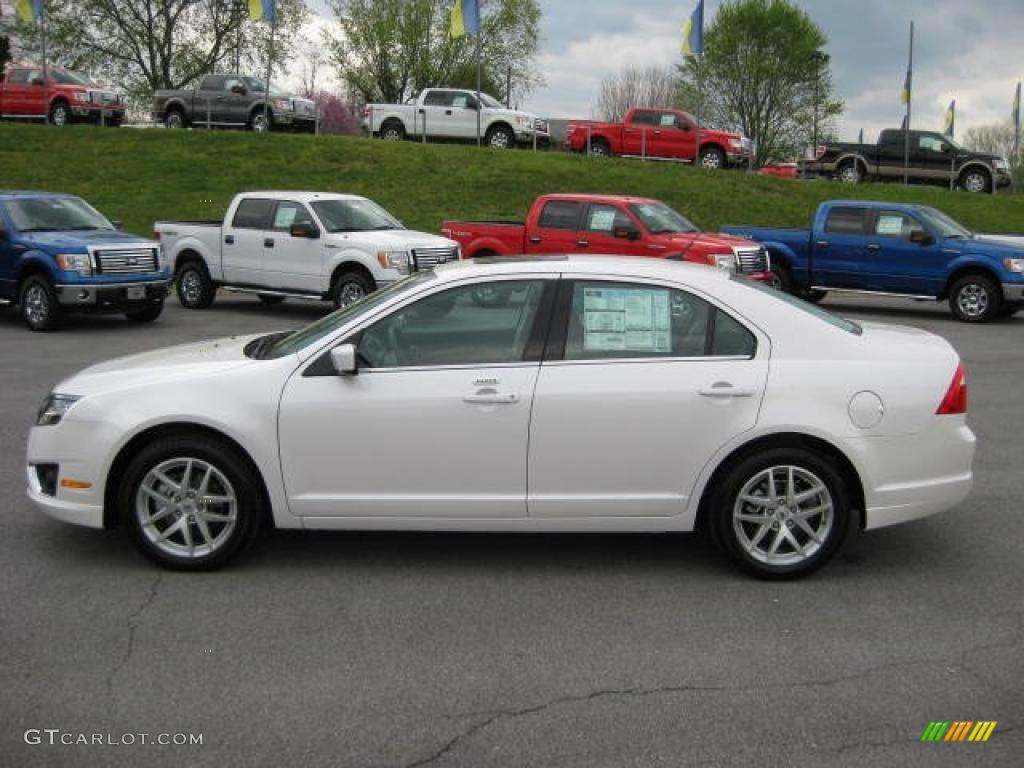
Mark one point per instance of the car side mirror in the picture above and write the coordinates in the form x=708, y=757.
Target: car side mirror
x=920, y=237
x=118, y=224
x=239, y=89
x=685, y=127
x=343, y=358
x=307, y=231
x=626, y=233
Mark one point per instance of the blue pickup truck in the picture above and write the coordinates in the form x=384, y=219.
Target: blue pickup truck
x=897, y=250
x=58, y=254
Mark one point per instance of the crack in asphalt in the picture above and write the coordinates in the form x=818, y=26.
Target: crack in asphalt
x=154, y=589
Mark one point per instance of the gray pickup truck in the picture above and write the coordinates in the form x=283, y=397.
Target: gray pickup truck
x=233, y=101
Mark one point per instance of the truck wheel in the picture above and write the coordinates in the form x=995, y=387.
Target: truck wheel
x=59, y=114
x=392, y=131
x=195, y=288
x=976, y=180
x=259, y=122
x=712, y=157
x=147, y=313
x=600, y=148
x=174, y=119
x=975, y=299
x=500, y=137
x=350, y=287
x=39, y=305
x=850, y=173
x=813, y=295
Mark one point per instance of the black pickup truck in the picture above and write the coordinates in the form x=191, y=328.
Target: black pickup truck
x=934, y=159
x=233, y=101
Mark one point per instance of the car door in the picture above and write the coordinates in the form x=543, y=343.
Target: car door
x=291, y=263
x=896, y=263
x=840, y=249
x=642, y=383
x=600, y=223
x=557, y=229
x=8, y=257
x=16, y=90
x=933, y=158
x=462, y=116
x=435, y=424
x=435, y=113
x=234, y=98
x=675, y=138
x=891, y=153
x=639, y=132
x=243, y=241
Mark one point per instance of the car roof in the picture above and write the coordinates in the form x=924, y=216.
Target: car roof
x=32, y=193
x=598, y=265
x=587, y=197
x=302, y=196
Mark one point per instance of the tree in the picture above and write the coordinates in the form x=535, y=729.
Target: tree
x=997, y=139
x=336, y=116
x=5, y=51
x=389, y=50
x=634, y=86
x=144, y=45
x=762, y=74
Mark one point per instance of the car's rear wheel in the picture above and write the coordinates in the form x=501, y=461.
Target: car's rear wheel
x=174, y=119
x=40, y=308
x=600, y=148
x=147, y=313
x=195, y=288
x=975, y=299
x=392, y=131
x=190, y=502
x=781, y=513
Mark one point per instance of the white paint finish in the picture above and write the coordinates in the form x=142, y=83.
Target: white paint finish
x=866, y=410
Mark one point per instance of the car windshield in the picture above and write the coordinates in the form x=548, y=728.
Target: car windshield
x=811, y=309
x=660, y=219
x=278, y=345
x=54, y=214
x=354, y=216
x=254, y=84
x=946, y=227
x=490, y=101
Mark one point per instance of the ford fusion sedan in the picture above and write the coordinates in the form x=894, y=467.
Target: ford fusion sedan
x=607, y=394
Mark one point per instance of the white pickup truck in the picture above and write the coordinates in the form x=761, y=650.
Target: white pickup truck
x=451, y=114
x=312, y=245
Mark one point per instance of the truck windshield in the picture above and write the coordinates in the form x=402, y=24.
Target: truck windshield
x=354, y=216
x=811, y=309
x=490, y=101
x=660, y=219
x=67, y=77
x=278, y=345
x=945, y=227
x=54, y=214
x=254, y=84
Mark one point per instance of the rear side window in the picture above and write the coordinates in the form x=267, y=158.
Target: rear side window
x=19, y=76
x=646, y=117
x=438, y=99
x=847, y=221
x=253, y=213
x=560, y=214
x=212, y=83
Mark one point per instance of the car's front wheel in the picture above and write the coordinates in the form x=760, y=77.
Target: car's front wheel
x=350, y=287
x=781, y=513
x=190, y=502
x=40, y=308
x=975, y=299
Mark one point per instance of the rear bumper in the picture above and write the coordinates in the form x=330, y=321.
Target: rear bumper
x=110, y=295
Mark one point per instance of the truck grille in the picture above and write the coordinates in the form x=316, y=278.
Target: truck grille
x=750, y=261
x=126, y=262
x=427, y=258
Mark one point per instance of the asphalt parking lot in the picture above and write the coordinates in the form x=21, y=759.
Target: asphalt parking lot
x=502, y=650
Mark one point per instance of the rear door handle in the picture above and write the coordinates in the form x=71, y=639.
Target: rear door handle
x=447, y=111
x=229, y=239
x=492, y=398
x=583, y=243
x=822, y=243
x=724, y=389
x=874, y=247
x=268, y=242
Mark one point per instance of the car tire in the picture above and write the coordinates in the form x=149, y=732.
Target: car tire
x=260, y=122
x=174, y=119
x=712, y=158
x=975, y=298
x=798, y=526
x=147, y=313
x=194, y=286
x=600, y=148
x=976, y=181
x=60, y=114
x=850, y=173
x=392, y=131
x=37, y=300
x=191, y=502
x=813, y=295
x=350, y=287
x=269, y=300
x=501, y=137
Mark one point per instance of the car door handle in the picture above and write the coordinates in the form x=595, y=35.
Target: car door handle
x=725, y=389
x=229, y=239
x=492, y=398
x=822, y=243
x=447, y=111
x=535, y=239
x=874, y=247
x=268, y=242
x=583, y=243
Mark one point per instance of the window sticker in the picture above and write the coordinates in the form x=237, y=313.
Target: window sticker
x=626, y=320
x=285, y=216
x=890, y=225
x=602, y=220
x=668, y=121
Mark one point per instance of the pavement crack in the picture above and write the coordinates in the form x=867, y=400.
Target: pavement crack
x=130, y=622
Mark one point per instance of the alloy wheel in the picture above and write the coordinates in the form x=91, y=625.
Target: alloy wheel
x=349, y=294
x=975, y=182
x=37, y=305
x=972, y=300
x=191, y=287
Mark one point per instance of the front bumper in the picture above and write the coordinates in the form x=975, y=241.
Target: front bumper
x=94, y=111
x=737, y=159
x=1013, y=293
x=762, y=277
x=1003, y=178
x=112, y=296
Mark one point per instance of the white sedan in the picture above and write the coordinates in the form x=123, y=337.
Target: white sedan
x=598, y=394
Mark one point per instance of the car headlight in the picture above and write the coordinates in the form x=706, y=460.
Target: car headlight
x=397, y=260
x=1014, y=265
x=736, y=143
x=54, y=407
x=285, y=105
x=726, y=261
x=525, y=120
x=83, y=96
x=75, y=262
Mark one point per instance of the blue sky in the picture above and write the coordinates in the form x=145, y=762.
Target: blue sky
x=969, y=51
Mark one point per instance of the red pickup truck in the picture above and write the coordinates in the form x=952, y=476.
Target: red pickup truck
x=609, y=224
x=68, y=96
x=660, y=134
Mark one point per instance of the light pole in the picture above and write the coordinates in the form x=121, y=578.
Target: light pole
x=820, y=59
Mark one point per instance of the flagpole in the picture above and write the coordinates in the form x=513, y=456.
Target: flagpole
x=1015, y=159
x=910, y=99
x=479, y=105
x=700, y=104
x=270, y=69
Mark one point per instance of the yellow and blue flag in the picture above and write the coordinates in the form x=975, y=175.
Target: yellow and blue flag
x=950, y=119
x=465, y=18
x=29, y=10
x=693, y=32
x=905, y=93
x=262, y=10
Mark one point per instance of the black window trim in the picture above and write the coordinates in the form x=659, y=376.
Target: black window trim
x=268, y=219
x=580, y=205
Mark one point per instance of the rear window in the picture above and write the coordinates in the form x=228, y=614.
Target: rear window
x=847, y=221
x=560, y=214
x=811, y=309
x=253, y=213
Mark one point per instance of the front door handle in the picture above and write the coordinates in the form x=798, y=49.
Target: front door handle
x=874, y=247
x=723, y=389
x=583, y=243
x=822, y=243
x=229, y=239
x=535, y=239
x=268, y=242
x=492, y=398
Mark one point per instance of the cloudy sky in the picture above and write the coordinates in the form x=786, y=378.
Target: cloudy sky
x=969, y=51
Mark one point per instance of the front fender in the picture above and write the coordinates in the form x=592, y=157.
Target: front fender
x=36, y=261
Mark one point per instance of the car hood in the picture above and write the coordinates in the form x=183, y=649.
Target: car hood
x=77, y=241
x=196, y=359
x=510, y=113
x=394, y=239
x=707, y=241
x=1006, y=246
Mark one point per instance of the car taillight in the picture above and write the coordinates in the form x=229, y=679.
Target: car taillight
x=955, y=401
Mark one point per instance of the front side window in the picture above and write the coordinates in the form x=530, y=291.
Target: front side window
x=18, y=77
x=560, y=214
x=606, y=219
x=626, y=320
x=463, y=101
x=232, y=82
x=479, y=324
x=252, y=213
x=931, y=143
x=289, y=213
x=895, y=224
x=660, y=219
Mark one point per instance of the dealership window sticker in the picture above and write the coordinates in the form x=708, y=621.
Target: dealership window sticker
x=626, y=320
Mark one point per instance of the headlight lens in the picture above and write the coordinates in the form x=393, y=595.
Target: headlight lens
x=283, y=104
x=75, y=262
x=161, y=257
x=397, y=260
x=726, y=261
x=83, y=96
x=1002, y=164
x=1014, y=265
x=525, y=121
x=53, y=408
